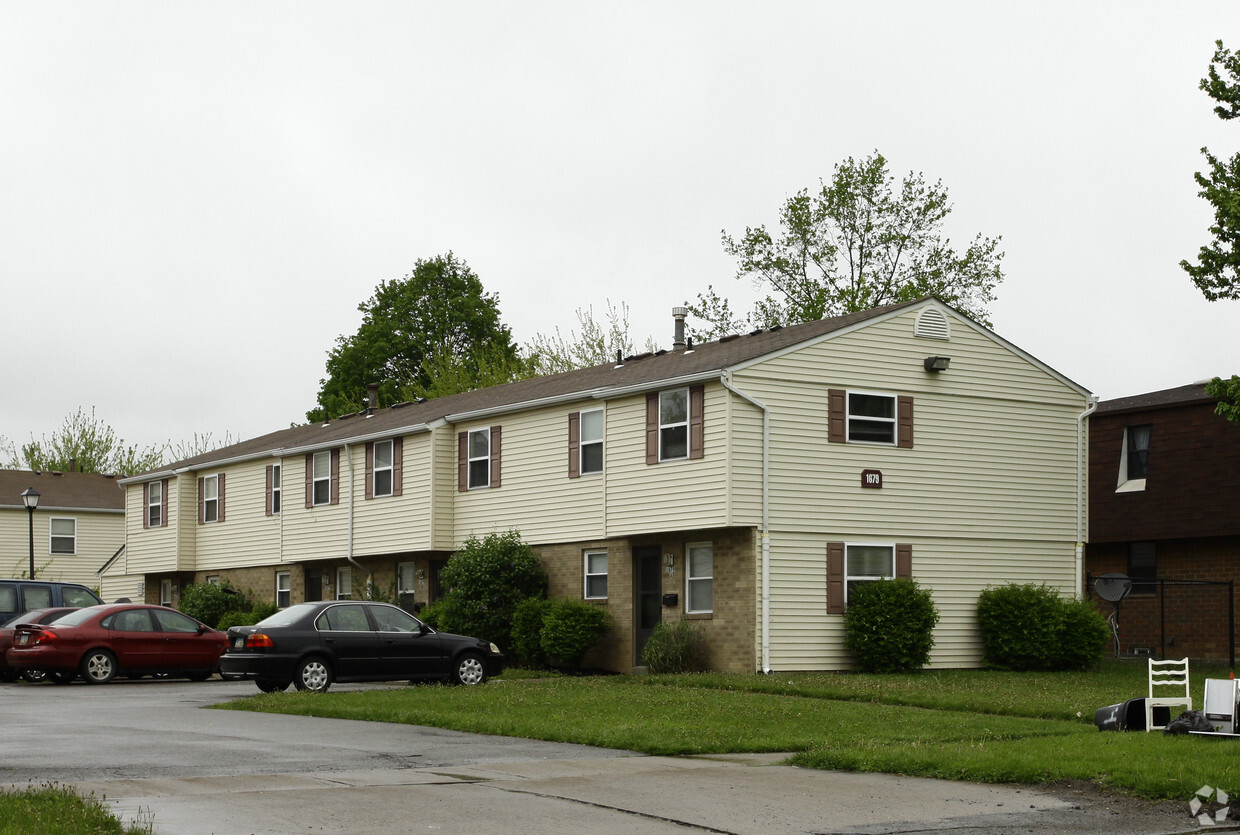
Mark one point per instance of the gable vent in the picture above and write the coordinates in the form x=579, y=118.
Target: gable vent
x=932, y=324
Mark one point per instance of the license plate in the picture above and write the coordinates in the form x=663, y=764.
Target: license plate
x=23, y=639
x=239, y=642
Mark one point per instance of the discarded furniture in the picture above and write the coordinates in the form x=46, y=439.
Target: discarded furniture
x=1170, y=679
x=1221, y=697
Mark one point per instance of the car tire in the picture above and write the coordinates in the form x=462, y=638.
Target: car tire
x=268, y=685
x=33, y=676
x=62, y=678
x=313, y=674
x=199, y=675
x=98, y=666
x=469, y=669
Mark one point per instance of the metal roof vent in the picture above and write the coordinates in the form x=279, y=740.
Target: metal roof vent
x=932, y=324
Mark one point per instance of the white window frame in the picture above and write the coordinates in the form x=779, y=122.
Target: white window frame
x=596, y=575
x=165, y=592
x=388, y=469
x=892, y=421
x=850, y=578
x=284, y=589
x=473, y=459
x=583, y=442
x=210, y=499
x=1124, y=484
x=275, y=488
x=155, y=502
x=52, y=536
x=406, y=578
x=692, y=579
x=316, y=479
x=213, y=579
x=684, y=424
x=344, y=583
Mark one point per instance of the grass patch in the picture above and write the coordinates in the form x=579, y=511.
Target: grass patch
x=58, y=810
x=975, y=725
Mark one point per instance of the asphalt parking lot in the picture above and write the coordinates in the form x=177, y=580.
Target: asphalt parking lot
x=150, y=749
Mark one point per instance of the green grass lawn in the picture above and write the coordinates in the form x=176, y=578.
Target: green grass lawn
x=972, y=725
x=51, y=809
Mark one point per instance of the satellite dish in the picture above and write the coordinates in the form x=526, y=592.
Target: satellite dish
x=1113, y=587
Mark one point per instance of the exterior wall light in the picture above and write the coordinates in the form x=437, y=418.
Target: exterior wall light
x=937, y=363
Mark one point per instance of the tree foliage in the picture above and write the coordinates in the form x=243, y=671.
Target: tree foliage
x=438, y=316
x=1227, y=392
x=595, y=344
x=1217, y=271
x=485, y=581
x=88, y=445
x=860, y=241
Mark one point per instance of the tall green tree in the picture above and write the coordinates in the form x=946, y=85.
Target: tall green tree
x=1217, y=271
x=860, y=241
x=439, y=311
x=88, y=445
x=596, y=343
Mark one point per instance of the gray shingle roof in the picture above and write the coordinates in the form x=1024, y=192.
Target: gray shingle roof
x=1178, y=396
x=62, y=490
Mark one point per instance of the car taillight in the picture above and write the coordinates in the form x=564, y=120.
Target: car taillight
x=259, y=641
x=43, y=636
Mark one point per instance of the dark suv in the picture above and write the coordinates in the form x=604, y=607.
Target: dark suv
x=17, y=596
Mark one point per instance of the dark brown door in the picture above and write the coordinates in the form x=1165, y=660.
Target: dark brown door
x=314, y=585
x=648, y=604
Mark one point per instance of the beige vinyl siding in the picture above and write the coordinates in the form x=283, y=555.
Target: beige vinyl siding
x=99, y=534
x=804, y=637
x=393, y=523
x=150, y=550
x=535, y=495
x=320, y=532
x=247, y=536
x=443, y=477
x=744, y=459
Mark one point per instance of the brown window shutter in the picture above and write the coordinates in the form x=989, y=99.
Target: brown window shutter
x=219, y=497
x=462, y=461
x=163, y=503
x=309, y=480
x=574, y=445
x=697, y=437
x=398, y=465
x=495, y=455
x=336, y=476
x=835, y=578
x=652, y=428
x=904, y=422
x=904, y=561
x=202, y=499
x=837, y=420
x=146, y=505
x=370, y=469
x=270, y=481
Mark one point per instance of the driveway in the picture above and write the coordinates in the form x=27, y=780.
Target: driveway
x=154, y=754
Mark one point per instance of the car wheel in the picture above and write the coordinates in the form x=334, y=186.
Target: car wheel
x=34, y=676
x=313, y=674
x=62, y=678
x=269, y=686
x=98, y=666
x=199, y=675
x=469, y=669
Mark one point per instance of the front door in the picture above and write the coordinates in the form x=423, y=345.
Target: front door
x=314, y=585
x=648, y=604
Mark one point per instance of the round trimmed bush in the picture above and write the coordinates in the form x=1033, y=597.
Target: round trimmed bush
x=570, y=629
x=1033, y=628
x=485, y=580
x=889, y=625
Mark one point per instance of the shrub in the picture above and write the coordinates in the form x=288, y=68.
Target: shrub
x=676, y=648
x=570, y=629
x=527, y=627
x=889, y=626
x=1028, y=627
x=485, y=580
x=208, y=602
x=261, y=611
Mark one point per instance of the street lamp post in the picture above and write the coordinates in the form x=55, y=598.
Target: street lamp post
x=30, y=497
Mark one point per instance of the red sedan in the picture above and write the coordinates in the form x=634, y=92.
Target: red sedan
x=100, y=642
x=7, y=673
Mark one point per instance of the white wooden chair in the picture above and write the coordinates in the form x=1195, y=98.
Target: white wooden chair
x=1170, y=678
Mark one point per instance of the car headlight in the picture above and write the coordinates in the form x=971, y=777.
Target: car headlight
x=494, y=649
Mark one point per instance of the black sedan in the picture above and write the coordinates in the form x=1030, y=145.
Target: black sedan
x=313, y=644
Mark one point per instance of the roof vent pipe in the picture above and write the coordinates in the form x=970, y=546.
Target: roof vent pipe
x=679, y=314
x=372, y=397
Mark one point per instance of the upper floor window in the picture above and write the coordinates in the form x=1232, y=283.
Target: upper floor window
x=63, y=535
x=274, y=489
x=673, y=424
x=383, y=468
x=1134, y=458
x=210, y=487
x=871, y=418
x=596, y=575
x=591, y=441
x=479, y=458
x=322, y=477
x=700, y=577
x=154, y=504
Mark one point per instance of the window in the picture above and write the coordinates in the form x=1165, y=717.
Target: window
x=344, y=583
x=154, y=504
x=63, y=535
x=165, y=592
x=700, y=577
x=210, y=499
x=284, y=588
x=213, y=579
x=673, y=424
x=322, y=478
x=1142, y=565
x=273, y=489
x=382, y=483
x=871, y=418
x=596, y=575
x=132, y=620
x=479, y=458
x=866, y=563
x=344, y=619
x=1134, y=458
x=406, y=578
x=592, y=441
x=175, y=622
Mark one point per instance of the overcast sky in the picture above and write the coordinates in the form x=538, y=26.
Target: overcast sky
x=195, y=197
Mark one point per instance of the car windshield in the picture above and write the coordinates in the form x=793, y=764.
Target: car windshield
x=286, y=617
x=78, y=617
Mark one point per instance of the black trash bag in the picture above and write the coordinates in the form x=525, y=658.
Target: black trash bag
x=1189, y=720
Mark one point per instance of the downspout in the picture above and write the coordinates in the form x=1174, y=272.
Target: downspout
x=726, y=379
x=1081, y=487
x=348, y=457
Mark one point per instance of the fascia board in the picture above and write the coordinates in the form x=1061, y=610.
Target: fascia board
x=523, y=406
x=416, y=429
x=660, y=384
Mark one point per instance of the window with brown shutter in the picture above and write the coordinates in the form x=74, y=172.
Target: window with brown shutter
x=574, y=445
x=849, y=564
x=869, y=418
x=495, y=455
x=835, y=578
x=675, y=424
